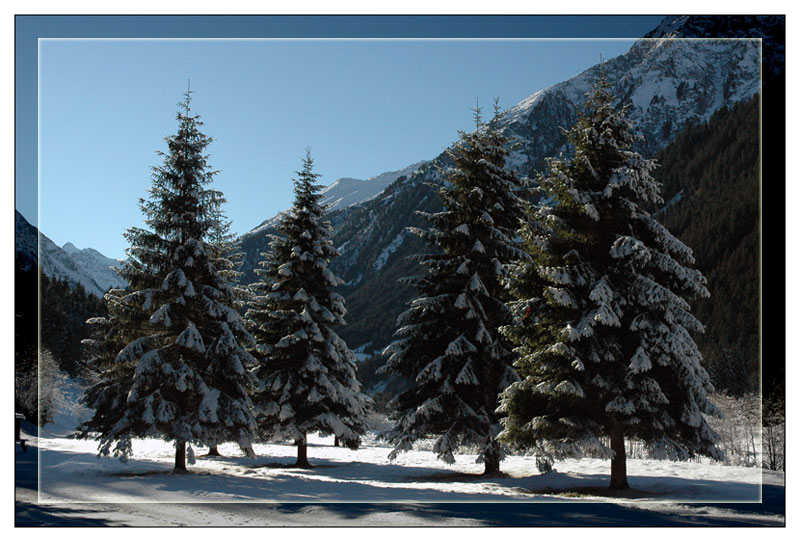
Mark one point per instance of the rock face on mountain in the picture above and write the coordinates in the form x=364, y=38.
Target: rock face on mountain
x=667, y=82
x=86, y=267
x=771, y=29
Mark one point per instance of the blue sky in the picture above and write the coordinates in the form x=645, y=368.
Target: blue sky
x=362, y=106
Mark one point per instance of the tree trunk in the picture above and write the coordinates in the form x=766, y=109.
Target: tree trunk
x=491, y=465
x=619, y=472
x=302, y=453
x=180, y=457
x=336, y=441
x=212, y=451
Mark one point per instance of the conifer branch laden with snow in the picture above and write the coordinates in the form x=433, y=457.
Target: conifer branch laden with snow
x=449, y=346
x=604, y=338
x=306, y=373
x=170, y=359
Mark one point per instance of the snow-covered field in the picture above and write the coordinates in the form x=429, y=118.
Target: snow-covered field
x=70, y=471
x=75, y=482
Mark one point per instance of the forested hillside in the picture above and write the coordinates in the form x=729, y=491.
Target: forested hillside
x=710, y=177
x=375, y=298
x=65, y=309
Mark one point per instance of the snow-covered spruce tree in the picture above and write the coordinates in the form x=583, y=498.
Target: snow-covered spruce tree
x=109, y=380
x=226, y=258
x=306, y=373
x=604, y=339
x=449, y=345
x=183, y=369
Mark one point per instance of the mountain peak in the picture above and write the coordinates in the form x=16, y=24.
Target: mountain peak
x=69, y=248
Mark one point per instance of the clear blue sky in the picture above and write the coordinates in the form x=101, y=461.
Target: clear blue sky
x=363, y=107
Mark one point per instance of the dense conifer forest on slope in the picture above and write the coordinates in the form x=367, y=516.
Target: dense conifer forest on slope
x=710, y=177
x=65, y=309
x=371, y=314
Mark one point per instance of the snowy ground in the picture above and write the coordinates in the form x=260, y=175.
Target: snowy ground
x=76, y=487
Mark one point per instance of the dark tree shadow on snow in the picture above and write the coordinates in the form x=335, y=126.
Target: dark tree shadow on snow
x=571, y=510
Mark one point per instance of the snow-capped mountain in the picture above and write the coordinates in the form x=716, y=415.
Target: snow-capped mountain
x=86, y=267
x=348, y=191
x=771, y=29
x=98, y=266
x=668, y=84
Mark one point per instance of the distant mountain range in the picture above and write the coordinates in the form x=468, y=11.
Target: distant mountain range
x=667, y=83
x=86, y=267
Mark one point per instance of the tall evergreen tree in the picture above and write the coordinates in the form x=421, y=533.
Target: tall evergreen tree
x=449, y=346
x=306, y=374
x=183, y=369
x=604, y=340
